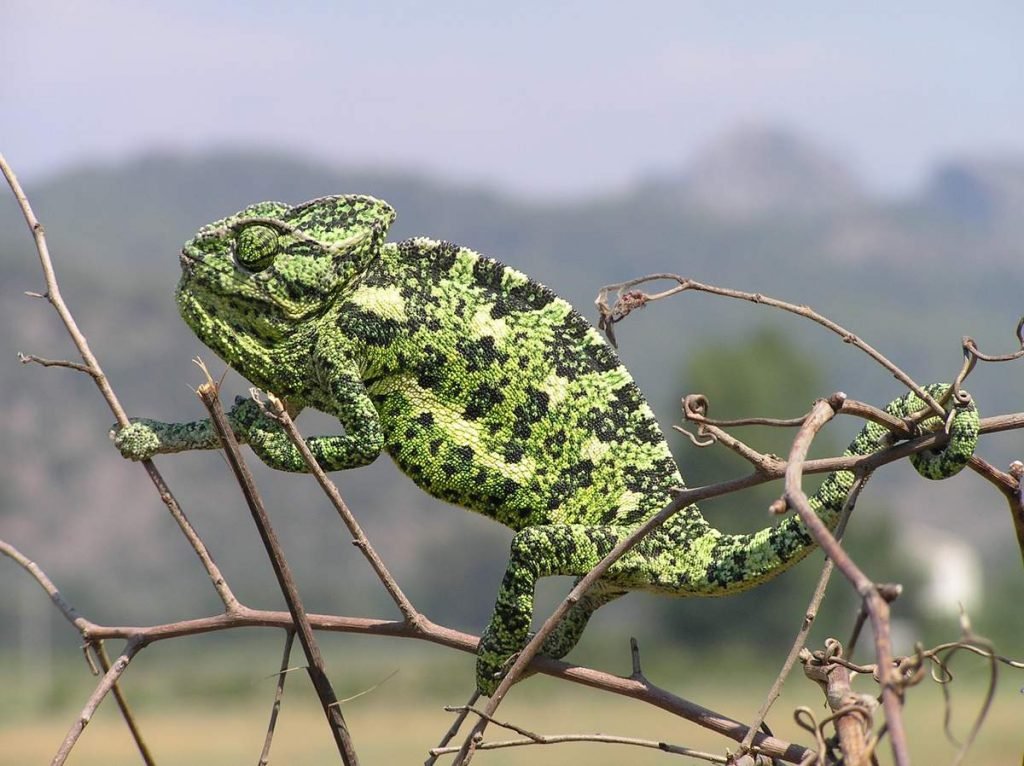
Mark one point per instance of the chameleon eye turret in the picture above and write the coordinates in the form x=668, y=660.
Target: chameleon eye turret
x=255, y=246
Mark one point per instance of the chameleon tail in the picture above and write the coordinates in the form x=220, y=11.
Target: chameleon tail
x=731, y=563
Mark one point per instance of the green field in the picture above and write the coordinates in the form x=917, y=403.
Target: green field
x=213, y=709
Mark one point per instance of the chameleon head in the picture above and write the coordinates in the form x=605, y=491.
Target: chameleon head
x=260, y=274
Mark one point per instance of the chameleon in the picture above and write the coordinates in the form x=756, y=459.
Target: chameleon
x=486, y=389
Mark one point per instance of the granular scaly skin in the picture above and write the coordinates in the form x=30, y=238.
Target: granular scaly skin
x=486, y=389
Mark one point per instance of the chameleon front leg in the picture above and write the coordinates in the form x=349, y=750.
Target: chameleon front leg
x=557, y=549
x=361, y=444
x=143, y=438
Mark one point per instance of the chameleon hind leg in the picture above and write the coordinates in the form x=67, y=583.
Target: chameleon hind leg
x=567, y=633
x=544, y=551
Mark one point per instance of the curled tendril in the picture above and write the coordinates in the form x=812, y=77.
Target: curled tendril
x=973, y=355
x=695, y=409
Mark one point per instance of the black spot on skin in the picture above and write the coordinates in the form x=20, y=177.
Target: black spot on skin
x=425, y=419
x=514, y=452
x=444, y=256
x=501, y=308
x=429, y=373
x=482, y=399
x=533, y=295
x=410, y=433
x=520, y=513
x=372, y=329
x=521, y=429
x=488, y=273
x=508, y=487
x=583, y=473
x=464, y=453
x=435, y=446
x=604, y=358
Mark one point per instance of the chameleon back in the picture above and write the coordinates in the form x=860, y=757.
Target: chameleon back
x=497, y=396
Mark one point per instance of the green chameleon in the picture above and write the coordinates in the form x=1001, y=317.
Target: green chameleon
x=486, y=389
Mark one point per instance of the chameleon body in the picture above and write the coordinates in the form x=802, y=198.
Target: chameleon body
x=486, y=389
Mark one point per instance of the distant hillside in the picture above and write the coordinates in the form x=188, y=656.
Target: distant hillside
x=757, y=172
x=759, y=212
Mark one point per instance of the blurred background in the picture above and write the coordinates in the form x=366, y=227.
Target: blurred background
x=866, y=160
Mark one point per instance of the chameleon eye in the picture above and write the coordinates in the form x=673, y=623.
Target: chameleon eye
x=255, y=247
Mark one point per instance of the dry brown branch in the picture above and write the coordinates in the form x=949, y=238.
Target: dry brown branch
x=244, y=617
x=463, y=712
x=106, y=683
x=809, y=616
x=99, y=651
x=877, y=607
x=972, y=355
x=94, y=370
x=209, y=396
x=629, y=299
x=852, y=713
x=409, y=612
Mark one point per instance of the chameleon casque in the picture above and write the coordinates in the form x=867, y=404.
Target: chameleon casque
x=486, y=389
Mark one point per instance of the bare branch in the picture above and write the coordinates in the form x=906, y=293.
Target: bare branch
x=42, y=361
x=93, y=369
x=208, y=394
x=532, y=738
x=877, y=607
x=409, y=612
x=809, y=616
x=629, y=299
x=106, y=683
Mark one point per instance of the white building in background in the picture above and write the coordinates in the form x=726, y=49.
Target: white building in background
x=952, y=569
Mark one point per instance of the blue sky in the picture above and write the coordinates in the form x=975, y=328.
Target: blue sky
x=536, y=97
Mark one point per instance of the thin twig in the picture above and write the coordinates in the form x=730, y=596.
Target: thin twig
x=877, y=607
x=106, y=683
x=409, y=612
x=43, y=362
x=100, y=652
x=208, y=394
x=633, y=299
x=532, y=738
x=94, y=370
x=810, y=615
x=462, y=712
x=278, y=695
